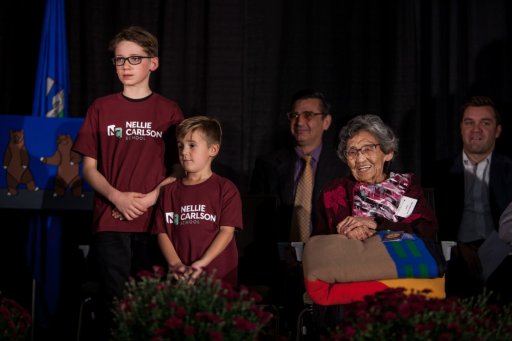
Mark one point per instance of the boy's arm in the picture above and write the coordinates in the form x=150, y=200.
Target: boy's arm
x=218, y=245
x=169, y=252
x=152, y=197
x=124, y=201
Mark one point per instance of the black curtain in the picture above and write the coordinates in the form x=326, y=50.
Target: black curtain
x=413, y=62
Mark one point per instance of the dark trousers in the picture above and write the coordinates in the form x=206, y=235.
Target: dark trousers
x=500, y=282
x=119, y=255
x=464, y=275
x=463, y=272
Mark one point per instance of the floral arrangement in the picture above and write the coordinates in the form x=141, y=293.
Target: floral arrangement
x=161, y=307
x=394, y=315
x=15, y=321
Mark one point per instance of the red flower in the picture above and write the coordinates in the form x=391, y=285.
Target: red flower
x=243, y=325
x=189, y=330
x=145, y=273
x=404, y=310
x=174, y=323
x=454, y=326
x=445, y=337
x=180, y=312
x=215, y=335
x=206, y=316
x=125, y=305
x=230, y=294
x=254, y=296
x=389, y=316
x=158, y=270
x=349, y=332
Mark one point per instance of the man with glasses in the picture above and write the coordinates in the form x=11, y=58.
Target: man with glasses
x=280, y=173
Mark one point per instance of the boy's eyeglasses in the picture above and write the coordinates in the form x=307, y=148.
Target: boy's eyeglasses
x=133, y=60
x=308, y=115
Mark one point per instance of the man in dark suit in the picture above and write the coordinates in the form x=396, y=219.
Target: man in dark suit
x=279, y=174
x=472, y=190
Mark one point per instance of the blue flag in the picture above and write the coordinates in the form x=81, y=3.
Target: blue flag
x=50, y=100
x=52, y=79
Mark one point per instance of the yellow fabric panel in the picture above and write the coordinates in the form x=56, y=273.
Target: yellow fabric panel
x=415, y=285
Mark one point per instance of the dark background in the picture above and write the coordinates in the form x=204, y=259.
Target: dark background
x=412, y=62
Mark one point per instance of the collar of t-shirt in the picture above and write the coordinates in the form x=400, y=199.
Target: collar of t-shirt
x=299, y=163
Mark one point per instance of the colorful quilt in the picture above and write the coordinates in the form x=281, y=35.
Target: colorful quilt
x=339, y=270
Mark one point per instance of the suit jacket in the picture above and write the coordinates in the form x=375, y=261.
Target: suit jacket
x=449, y=192
x=274, y=174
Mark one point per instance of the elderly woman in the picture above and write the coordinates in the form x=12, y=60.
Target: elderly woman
x=372, y=199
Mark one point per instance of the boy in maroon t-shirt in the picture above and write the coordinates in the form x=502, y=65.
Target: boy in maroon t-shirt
x=197, y=216
x=123, y=140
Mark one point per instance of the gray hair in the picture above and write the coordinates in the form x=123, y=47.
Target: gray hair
x=375, y=126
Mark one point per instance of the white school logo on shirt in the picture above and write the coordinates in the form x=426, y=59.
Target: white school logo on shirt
x=112, y=130
x=171, y=218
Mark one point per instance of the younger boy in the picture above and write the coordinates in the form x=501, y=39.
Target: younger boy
x=197, y=215
x=122, y=141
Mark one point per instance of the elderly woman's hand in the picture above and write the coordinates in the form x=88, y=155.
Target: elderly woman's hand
x=360, y=233
x=357, y=227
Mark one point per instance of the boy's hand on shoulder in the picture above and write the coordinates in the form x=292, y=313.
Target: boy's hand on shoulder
x=128, y=205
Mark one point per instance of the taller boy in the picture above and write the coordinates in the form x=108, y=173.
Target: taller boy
x=123, y=141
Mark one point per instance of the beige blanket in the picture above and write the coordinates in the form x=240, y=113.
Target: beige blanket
x=335, y=258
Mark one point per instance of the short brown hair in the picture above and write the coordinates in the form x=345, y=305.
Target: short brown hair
x=139, y=36
x=210, y=127
x=481, y=101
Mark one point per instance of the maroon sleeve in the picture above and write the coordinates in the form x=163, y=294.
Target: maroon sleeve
x=159, y=220
x=231, y=206
x=334, y=205
x=86, y=142
x=422, y=221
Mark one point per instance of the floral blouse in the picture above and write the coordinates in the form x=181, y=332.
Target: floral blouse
x=346, y=197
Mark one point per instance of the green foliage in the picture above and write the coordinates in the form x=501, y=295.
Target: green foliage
x=161, y=307
x=393, y=315
x=15, y=321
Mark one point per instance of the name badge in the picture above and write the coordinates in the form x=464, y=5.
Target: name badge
x=406, y=206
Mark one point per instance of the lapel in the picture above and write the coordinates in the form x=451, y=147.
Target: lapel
x=285, y=173
x=457, y=178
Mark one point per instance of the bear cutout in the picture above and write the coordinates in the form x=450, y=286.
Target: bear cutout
x=67, y=162
x=16, y=159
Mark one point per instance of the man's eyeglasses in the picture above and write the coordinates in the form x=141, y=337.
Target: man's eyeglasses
x=308, y=115
x=133, y=60
x=367, y=150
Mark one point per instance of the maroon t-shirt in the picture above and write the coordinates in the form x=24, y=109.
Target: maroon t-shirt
x=192, y=216
x=127, y=138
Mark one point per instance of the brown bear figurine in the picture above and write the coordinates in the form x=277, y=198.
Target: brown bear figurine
x=67, y=162
x=16, y=161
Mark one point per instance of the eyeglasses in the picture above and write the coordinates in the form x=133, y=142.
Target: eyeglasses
x=367, y=150
x=133, y=60
x=308, y=115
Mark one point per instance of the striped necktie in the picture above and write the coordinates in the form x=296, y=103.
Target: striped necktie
x=301, y=218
